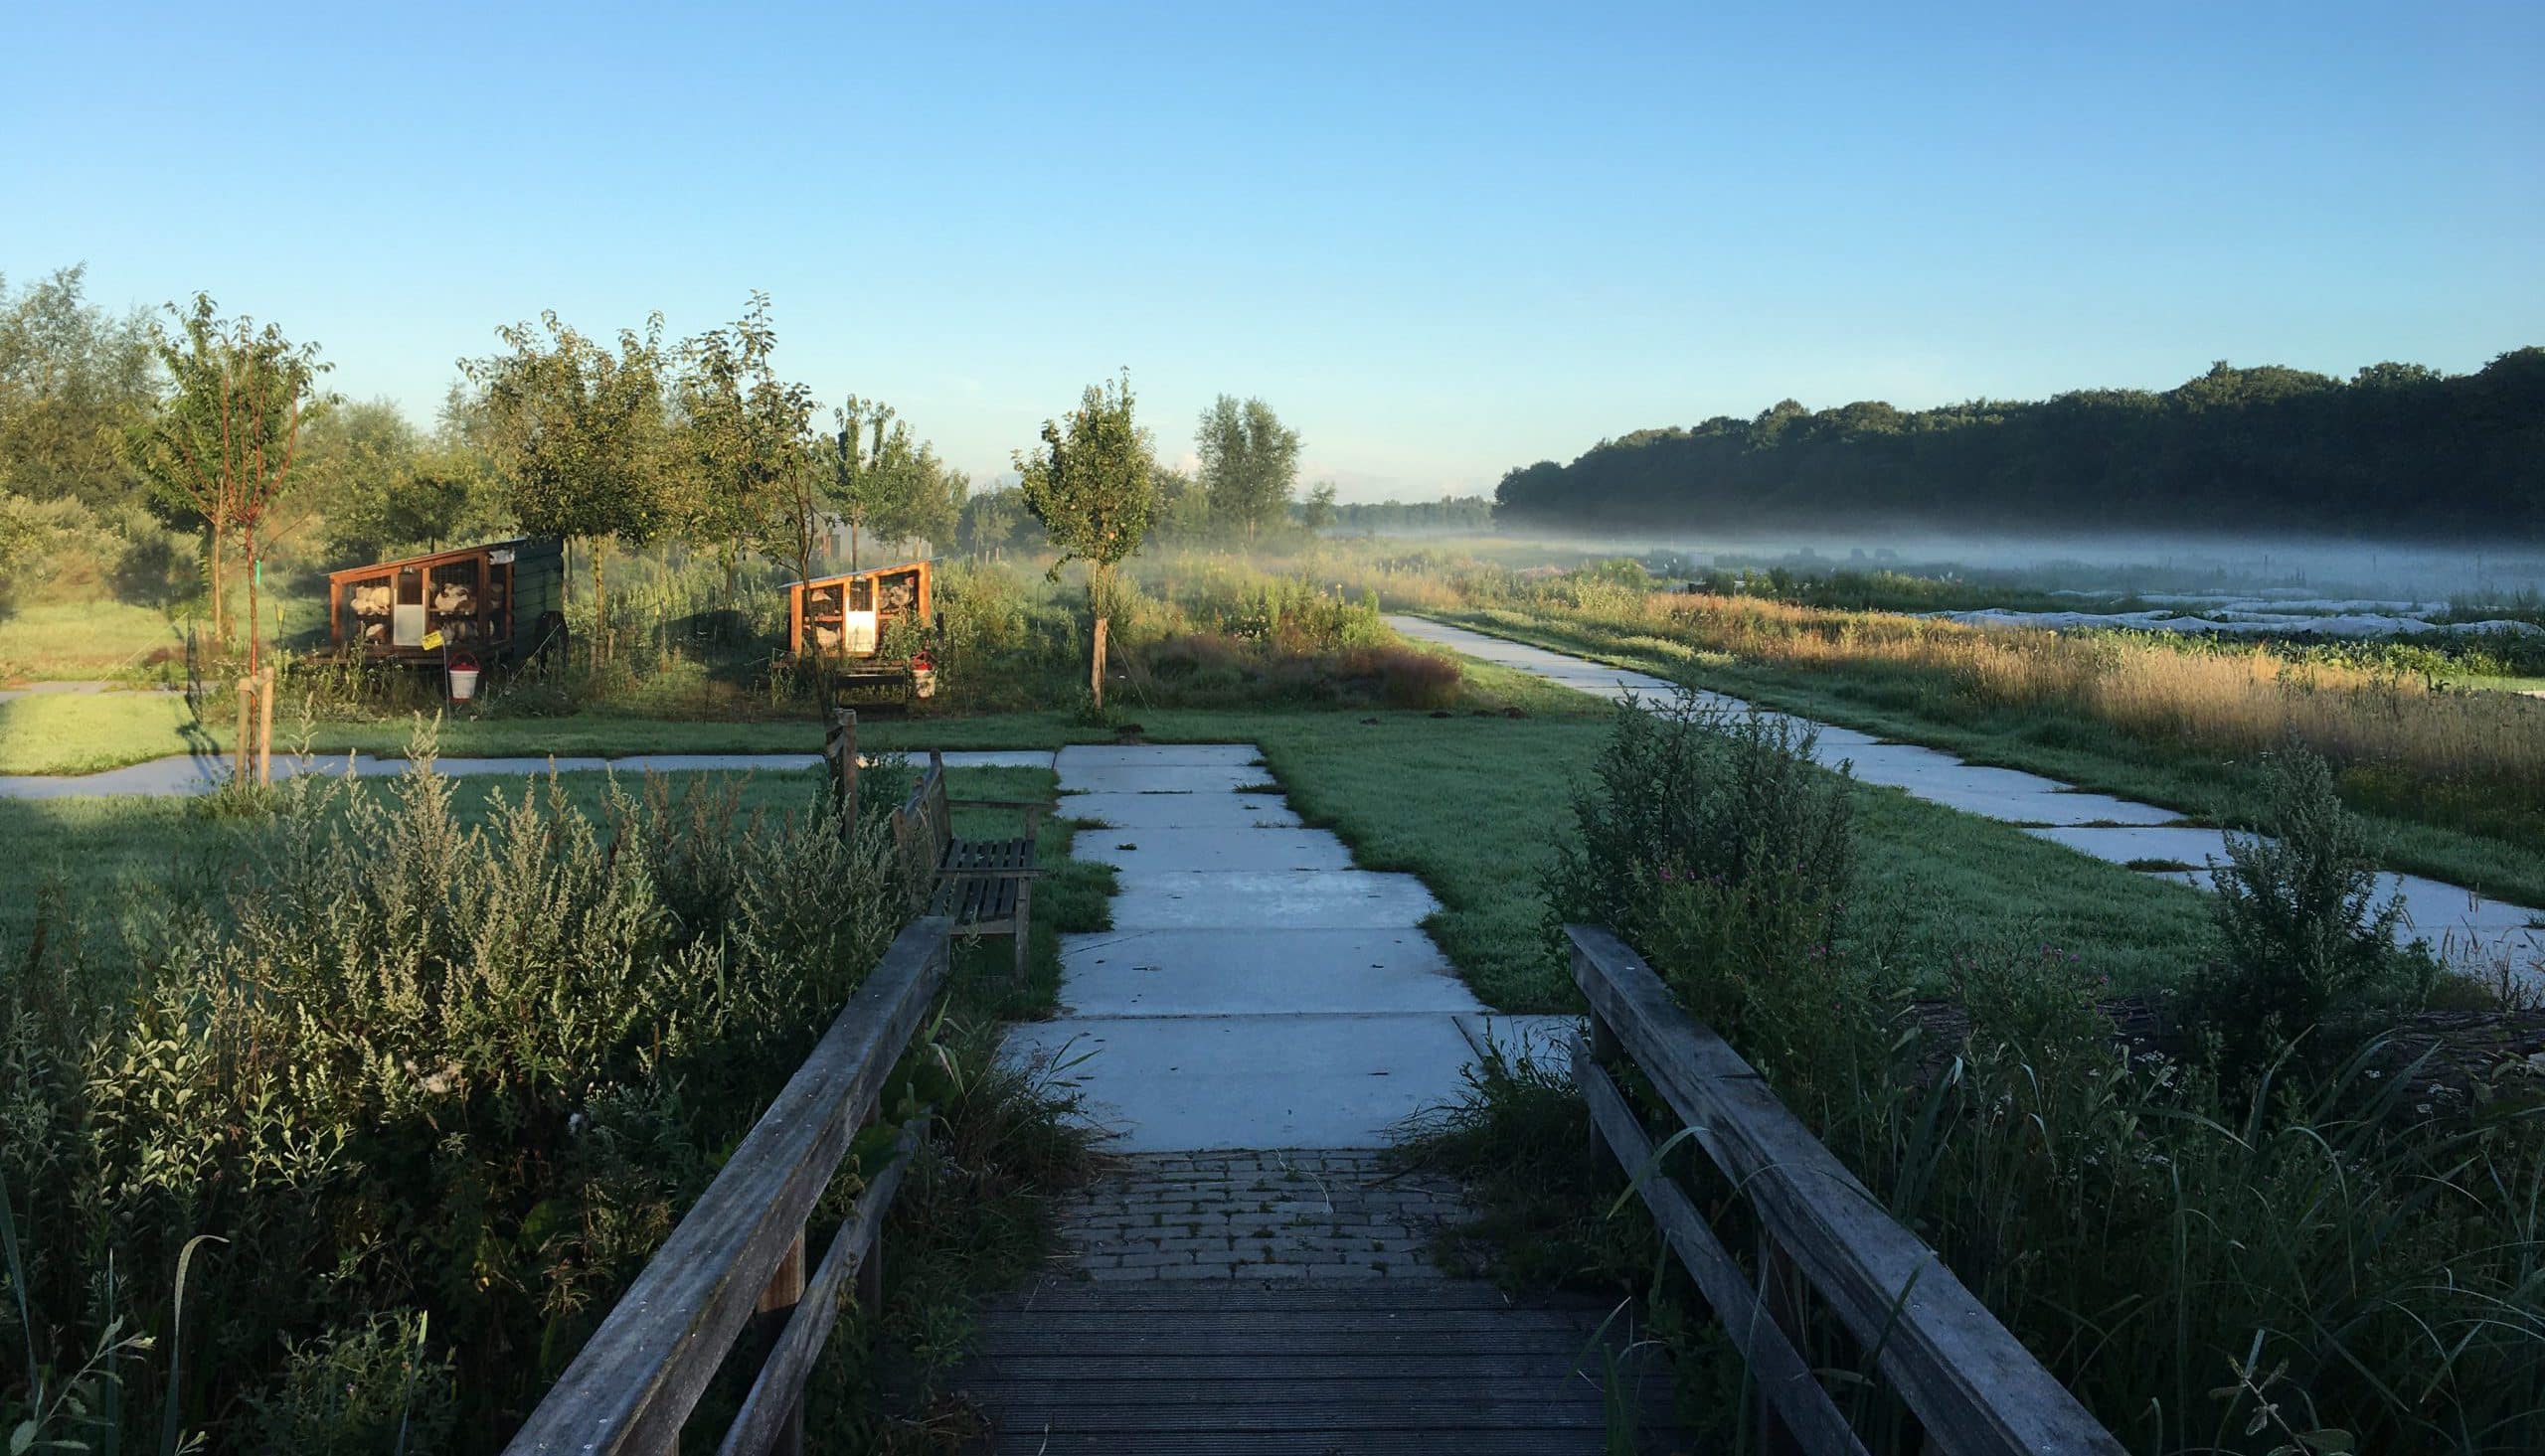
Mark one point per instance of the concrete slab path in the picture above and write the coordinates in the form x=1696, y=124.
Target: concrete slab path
x=1256, y=990
x=2472, y=933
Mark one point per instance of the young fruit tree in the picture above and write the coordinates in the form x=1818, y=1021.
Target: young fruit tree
x=1249, y=464
x=580, y=433
x=747, y=442
x=221, y=445
x=1089, y=484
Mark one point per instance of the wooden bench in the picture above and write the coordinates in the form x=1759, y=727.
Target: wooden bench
x=984, y=885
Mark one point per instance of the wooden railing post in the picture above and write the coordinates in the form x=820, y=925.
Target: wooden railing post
x=1597, y=1043
x=870, y=1280
x=776, y=1305
x=1779, y=1306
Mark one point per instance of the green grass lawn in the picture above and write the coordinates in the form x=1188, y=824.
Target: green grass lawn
x=82, y=733
x=118, y=641
x=74, y=733
x=1476, y=807
x=87, y=639
x=2088, y=754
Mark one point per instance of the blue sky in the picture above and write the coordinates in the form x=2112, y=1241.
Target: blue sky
x=1441, y=241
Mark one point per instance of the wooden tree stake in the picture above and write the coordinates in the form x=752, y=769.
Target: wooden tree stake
x=247, y=723
x=265, y=726
x=1095, y=673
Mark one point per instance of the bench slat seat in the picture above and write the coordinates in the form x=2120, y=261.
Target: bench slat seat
x=986, y=885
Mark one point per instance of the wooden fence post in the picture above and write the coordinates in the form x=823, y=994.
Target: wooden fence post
x=870, y=1280
x=1779, y=1303
x=777, y=1302
x=1598, y=1043
x=265, y=726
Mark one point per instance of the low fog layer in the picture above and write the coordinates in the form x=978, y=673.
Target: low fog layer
x=2191, y=568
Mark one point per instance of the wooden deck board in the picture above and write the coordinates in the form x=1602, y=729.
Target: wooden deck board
x=1433, y=1366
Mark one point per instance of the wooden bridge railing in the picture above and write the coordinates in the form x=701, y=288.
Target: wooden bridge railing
x=1975, y=1390
x=740, y=1250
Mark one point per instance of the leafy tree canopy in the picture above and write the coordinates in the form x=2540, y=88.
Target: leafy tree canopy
x=1249, y=463
x=74, y=381
x=578, y=430
x=2398, y=449
x=1089, y=482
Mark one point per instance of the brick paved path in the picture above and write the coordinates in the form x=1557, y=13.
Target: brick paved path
x=1271, y=1215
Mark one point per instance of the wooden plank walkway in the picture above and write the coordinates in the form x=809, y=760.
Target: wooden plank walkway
x=1328, y=1367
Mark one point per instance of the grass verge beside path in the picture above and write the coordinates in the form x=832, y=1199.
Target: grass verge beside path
x=2088, y=754
x=91, y=732
x=76, y=734
x=1475, y=807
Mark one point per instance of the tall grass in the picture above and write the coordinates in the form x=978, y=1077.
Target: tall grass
x=2222, y=698
x=437, y=1090
x=2284, y=1254
x=2404, y=740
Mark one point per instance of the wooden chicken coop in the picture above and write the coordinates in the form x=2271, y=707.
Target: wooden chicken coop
x=495, y=602
x=842, y=621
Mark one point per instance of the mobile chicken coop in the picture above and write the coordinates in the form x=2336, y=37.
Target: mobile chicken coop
x=502, y=601
x=841, y=622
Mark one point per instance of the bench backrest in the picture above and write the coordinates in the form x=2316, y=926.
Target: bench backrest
x=925, y=823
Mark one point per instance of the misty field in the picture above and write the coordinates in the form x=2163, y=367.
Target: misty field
x=2455, y=776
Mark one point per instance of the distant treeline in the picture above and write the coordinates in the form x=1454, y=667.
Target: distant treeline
x=1450, y=513
x=2398, y=449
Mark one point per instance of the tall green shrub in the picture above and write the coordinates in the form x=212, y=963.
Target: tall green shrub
x=1718, y=820
x=437, y=1087
x=2306, y=1260
x=2304, y=940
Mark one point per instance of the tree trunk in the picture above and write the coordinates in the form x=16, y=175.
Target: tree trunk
x=600, y=603
x=212, y=579
x=250, y=541
x=1097, y=607
x=852, y=545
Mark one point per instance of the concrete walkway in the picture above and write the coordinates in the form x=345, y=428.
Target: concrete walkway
x=190, y=774
x=1256, y=990
x=1254, y=1275
x=2472, y=933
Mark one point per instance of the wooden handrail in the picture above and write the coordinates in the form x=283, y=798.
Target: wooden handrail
x=741, y=1246
x=1972, y=1385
